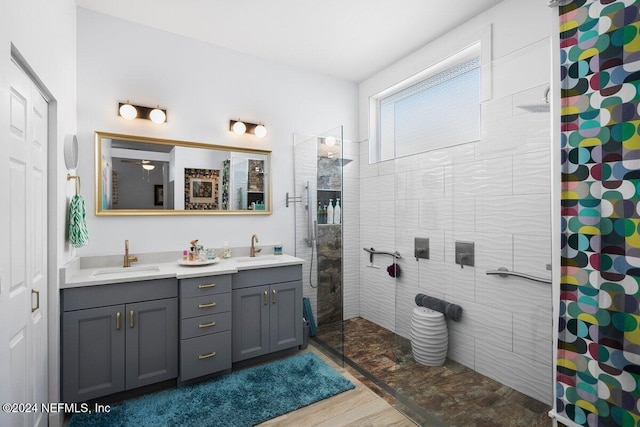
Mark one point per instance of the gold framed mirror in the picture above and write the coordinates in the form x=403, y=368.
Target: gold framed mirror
x=138, y=175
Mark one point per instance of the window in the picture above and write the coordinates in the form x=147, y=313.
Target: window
x=438, y=108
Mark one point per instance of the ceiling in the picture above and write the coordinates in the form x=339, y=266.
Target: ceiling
x=349, y=39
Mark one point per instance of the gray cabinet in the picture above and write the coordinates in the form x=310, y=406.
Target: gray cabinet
x=205, y=326
x=267, y=311
x=118, y=337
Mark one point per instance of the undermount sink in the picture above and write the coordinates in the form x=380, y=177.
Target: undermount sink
x=257, y=258
x=120, y=270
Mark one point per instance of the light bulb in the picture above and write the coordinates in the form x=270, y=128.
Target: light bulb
x=239, y=128
x=330, y=141
x=157, y=115
x=148, y=166
x=260, y=131
x=128, y=111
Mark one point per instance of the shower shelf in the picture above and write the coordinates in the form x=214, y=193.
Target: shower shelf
x=503, y=272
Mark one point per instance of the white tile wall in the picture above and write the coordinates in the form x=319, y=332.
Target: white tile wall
x=531, y=164
x=521, y=373
x=351, y=213
x=462, y=347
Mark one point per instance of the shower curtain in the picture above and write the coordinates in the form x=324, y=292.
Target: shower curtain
x=598, y=372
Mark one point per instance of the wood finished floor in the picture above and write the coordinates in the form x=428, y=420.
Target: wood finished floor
x=357, y=407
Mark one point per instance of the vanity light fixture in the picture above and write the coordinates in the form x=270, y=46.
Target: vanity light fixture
x=241, y=127
x=157, y=115
x=260, y=131
x=238, y=127
x=129, y=111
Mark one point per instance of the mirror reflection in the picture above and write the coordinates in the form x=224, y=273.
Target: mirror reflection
x=141, y=175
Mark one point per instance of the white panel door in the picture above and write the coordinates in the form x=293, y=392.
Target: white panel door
x=23, y=265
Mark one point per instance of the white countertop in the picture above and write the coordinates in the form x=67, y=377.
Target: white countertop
x=74, y=277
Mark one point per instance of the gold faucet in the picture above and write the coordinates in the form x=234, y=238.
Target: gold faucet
x=128, y=259
x=254, y=239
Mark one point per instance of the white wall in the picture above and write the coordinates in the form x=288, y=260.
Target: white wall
x=43, y=32
x=202, y=87
x=495, y=192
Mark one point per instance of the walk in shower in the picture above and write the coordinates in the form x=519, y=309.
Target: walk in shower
x=498, y=368
x=318, y=172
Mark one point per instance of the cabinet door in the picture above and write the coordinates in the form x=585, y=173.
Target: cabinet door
x=250, y=322
x=285, y=315
x=93, y=353
x=152, y=342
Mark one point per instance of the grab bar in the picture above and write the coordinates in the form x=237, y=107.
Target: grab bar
x=373, y=252
x=503, y=272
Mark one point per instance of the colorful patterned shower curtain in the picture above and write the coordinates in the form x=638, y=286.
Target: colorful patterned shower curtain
x=598, y=367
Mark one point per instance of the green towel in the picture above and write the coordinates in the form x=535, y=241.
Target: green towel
x=78, y=233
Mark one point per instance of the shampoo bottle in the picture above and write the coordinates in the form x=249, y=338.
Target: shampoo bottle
x=337, y=212
x=330, y=212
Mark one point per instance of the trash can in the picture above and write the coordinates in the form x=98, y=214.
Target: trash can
x=305, y=333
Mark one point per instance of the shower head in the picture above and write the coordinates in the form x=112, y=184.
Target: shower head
x=339, y=160
x=343, y=162
x=538, y=108
x=535, y=108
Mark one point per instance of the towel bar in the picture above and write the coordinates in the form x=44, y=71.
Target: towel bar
x=373, y=252
x=503, y=272
x=77, y=178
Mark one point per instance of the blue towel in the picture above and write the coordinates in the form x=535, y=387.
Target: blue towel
x=451, y=311
x=308, y=314
x=78, y=233
x=433, y=303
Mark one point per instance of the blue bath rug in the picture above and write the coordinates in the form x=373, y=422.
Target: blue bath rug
x=242, y=398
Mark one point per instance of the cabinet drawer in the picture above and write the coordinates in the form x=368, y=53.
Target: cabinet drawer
x=208, y=304
x=118, y=293
x=198, y=286
x=205, y=325
x=205, y=355
x=266, y=276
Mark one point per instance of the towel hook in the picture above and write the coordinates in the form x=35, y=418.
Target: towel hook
x=77, y=178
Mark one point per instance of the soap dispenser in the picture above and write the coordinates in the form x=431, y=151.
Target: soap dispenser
x=336, y=213
x=330, y=212
x=226, y=250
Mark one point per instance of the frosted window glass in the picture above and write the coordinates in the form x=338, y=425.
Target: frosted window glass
x=441, y=111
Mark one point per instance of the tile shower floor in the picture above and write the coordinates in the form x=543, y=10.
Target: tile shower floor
x=448, y=395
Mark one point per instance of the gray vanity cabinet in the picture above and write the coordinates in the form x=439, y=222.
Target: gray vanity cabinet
x=205, y=326
x=118, y=337
x=267, y=311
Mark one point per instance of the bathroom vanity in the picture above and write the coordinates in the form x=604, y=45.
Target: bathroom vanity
x=126, y=329
x=118, y=337
x=264, y=302
x=205, y=325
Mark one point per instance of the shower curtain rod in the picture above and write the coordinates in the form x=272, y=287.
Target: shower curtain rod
x=503, y=272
